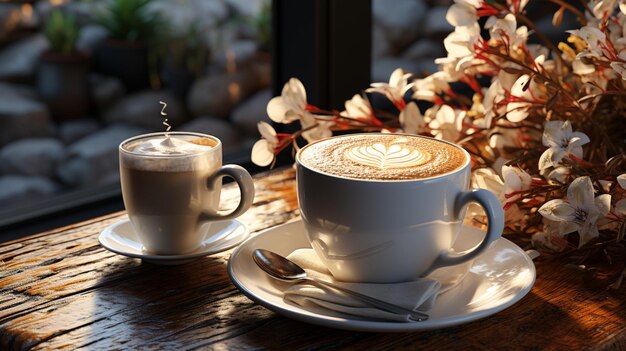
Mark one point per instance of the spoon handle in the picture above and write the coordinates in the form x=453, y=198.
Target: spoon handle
x=385, y=306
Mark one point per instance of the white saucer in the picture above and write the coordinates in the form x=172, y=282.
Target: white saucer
x=222, y=235
x=497, y=279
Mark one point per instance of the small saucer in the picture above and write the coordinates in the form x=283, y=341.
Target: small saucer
x=497, y=279
x=120, y=238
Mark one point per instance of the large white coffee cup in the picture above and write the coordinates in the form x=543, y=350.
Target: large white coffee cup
x=385, y=231
x=171, y=198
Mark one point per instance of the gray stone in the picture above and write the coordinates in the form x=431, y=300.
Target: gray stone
x=217, y=95
x=32, y=157
x=18, y=62
x=21, y=117
x=144, y=110
x=436, y=24
x=425, y=48
x=17, y=188
x=214, y=126
x=241, y=51
x=247, y=115
x=400, y=19
x=105, y=90
x=73, y=130
x=21, y=90
x=382, y=69
x=94, y=158
x=89, y=37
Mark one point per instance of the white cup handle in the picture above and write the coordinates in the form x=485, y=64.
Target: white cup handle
x=246, y=187
x=495, y=225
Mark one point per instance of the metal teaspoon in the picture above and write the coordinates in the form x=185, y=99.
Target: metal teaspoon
x=281, y=268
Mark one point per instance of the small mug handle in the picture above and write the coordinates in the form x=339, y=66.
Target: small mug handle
x=495, y=225
x=246, y=187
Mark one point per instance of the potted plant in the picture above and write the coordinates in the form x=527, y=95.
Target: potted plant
x=62, y=72
x=185, y=56
x=125, y=54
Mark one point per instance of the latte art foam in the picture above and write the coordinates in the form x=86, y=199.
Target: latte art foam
x=383, y=157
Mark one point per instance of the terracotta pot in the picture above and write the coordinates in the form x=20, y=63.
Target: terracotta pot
x=62, y=83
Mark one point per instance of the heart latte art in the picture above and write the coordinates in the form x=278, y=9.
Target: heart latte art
x=383, y=157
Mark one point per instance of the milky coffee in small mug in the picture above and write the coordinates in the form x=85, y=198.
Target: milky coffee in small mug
x=386, y=208
x=171, y=185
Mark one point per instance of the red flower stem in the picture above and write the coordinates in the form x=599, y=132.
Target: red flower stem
x=608, y=92
x=581, y=162
x=546, y=77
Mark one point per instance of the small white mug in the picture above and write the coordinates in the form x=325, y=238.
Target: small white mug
x=172, y=199
x=390, y=231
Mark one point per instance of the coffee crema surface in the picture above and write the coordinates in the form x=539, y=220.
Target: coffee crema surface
x=168, y=153
x=385, y=157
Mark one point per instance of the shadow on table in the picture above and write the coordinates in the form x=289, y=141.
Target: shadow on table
x=139, y=304
x=531, y=323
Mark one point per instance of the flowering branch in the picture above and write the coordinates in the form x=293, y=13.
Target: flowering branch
x=546, y=133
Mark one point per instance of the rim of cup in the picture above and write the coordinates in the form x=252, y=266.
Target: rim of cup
x=462, y=168
x=150, y=135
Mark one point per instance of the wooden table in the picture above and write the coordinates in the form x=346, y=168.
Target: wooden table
x=61, y=290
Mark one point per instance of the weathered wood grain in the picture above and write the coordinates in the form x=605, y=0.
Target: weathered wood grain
x=60, y=290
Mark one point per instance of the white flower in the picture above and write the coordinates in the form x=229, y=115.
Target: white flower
x=488, y=179
x=620, y=68
x=559, y=174
x=517, y=6
x=549, y=239
x=428, y=87
x=595, y=39
x=621, y=180
x=447, y=124
x=494, y=94
x=604, y=8
x=263, y=150
x=515, y=180
x=411, y=119
x=580, y=212
x=582, y=68
x=460, y=43
x=319, y=129
x=560, y=139
x=523, y=92
x=395, y=89
x=290, y=105
x=358, y=108
x=502, y=28
x=463, y=12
